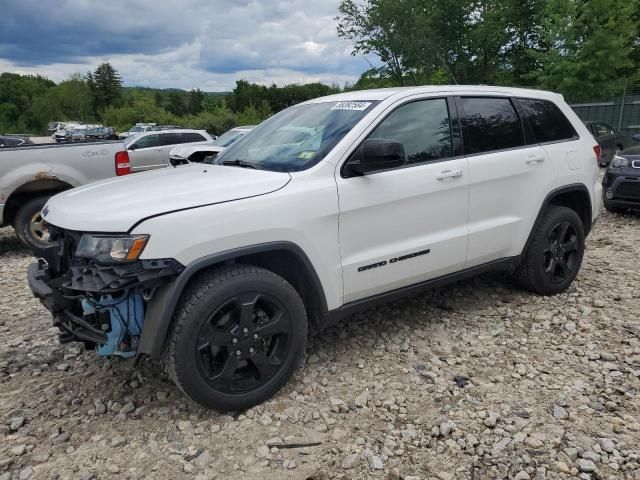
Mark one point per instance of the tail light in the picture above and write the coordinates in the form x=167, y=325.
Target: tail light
x=123, y=166
x=597, y=149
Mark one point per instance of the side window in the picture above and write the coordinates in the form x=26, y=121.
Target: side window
x=192, y=137
x=423, y=129
x=172, y=138
x=547, y=121
x=490, y=124
x=148, y=141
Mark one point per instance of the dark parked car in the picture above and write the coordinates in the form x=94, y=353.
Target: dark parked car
x=608, y=139
x=621, y=182
x=10, y=141
x=101, y=133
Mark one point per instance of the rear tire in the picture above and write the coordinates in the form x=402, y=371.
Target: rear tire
x=238, y=335
x=553, y=258
x=30, y=227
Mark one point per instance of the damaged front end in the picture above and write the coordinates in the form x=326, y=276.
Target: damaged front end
x=94, y=301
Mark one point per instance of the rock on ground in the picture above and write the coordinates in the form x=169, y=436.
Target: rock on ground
x=551, y=390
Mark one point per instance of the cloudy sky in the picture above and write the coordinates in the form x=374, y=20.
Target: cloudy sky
x=206, y=44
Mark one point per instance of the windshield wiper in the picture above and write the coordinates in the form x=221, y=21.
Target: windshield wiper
x=241, y=163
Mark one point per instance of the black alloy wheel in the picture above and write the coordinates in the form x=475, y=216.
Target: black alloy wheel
x=561, y=253
x=244, y=343
x=238, y=335
x=554, y=252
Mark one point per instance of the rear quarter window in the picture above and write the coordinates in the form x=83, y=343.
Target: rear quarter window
x=192, y=137
x=547, y=121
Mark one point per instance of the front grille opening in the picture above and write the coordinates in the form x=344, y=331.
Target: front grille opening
x=628, y=189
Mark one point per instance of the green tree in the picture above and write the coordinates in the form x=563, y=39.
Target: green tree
x=105, y=85
x=17, y=95
x=194, y=103
x=582, y=48
x=591, y=46
x=176, y=103
x=377, y=27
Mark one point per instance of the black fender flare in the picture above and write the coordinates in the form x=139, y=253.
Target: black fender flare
x=161, y=308
x=574, y=187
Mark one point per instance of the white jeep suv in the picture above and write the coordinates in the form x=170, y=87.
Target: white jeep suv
x=220, y=268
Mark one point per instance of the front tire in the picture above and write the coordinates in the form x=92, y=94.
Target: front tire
x=238, y=335
x=30, y=227
x=553, y=258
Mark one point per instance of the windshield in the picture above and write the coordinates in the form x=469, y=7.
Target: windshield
x=135, y=129
x=228, y=138
x=296, y=138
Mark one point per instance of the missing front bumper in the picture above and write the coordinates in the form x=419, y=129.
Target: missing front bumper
x=102, y=306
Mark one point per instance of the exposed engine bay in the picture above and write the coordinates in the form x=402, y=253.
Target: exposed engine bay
x=101, y=305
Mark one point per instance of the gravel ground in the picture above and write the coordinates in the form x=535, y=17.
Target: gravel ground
x=478, y=380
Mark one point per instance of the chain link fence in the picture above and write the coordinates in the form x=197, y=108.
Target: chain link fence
x=621, y=112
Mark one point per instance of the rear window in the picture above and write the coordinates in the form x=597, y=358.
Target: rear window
x=490, y=124
x=547, y=121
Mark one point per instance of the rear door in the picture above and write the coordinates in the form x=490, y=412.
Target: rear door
x=145, y=153
x=508, y=178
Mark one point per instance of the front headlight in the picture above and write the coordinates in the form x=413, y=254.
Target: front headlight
x=619, y=162
x=111, y=248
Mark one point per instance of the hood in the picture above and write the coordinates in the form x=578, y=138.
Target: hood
x=187, y=150
x=117, y=204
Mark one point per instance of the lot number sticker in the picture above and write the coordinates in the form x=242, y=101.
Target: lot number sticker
x=359, y=106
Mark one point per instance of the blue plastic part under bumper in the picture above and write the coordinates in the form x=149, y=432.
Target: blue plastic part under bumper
x=122, y=325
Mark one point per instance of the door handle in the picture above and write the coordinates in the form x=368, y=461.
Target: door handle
x=531, y=159
x=449, y=174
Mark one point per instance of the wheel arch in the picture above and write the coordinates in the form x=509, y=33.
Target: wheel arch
x=576, y=197
x=27, y=191
x=285, y=259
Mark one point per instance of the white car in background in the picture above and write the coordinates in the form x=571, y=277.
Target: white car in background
x=184, y=154
x=151, y=149
x=136, y=129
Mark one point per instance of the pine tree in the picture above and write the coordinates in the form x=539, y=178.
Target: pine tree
x=194, y=104
x=176, y=104
x=105, y=86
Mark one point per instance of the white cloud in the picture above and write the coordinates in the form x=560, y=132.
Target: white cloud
x=193, y=44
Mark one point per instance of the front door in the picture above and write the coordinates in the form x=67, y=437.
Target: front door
x=406, y=225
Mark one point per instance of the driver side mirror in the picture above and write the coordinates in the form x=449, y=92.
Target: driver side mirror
x=376, y=154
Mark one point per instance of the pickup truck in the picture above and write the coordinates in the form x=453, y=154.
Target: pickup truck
x=30, y=175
